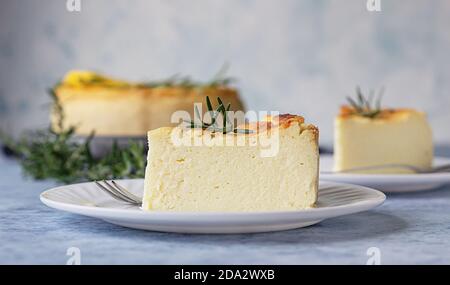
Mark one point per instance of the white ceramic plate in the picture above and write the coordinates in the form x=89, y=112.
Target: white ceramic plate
x=388, y=183
x=86, y=199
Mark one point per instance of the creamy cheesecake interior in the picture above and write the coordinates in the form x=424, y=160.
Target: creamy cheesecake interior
x=233, y=178
x=401, y=136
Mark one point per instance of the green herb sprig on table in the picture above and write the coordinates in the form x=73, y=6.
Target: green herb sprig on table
x=213, y=125
x=365, y=107
x=55, y=154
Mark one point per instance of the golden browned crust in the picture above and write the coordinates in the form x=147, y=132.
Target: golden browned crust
x=179, y=96
x=91, y=91
x=69, y=93
x=286, y=120
x=315, y=132
x=385, y=114
x=282, y=121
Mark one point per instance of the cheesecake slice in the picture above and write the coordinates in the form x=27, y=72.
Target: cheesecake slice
x=233, y=176
x=109, y=107
x=387, y=136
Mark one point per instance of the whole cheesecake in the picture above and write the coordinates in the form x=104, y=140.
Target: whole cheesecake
x=110, y=107
x=388, y=136
x=233, y=177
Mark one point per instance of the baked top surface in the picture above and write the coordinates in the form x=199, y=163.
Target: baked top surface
x=385, y=114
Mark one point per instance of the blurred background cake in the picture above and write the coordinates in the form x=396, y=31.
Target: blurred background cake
x=115, y=108
x=369, y=138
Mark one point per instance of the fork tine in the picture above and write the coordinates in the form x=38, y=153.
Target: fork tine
x=109, y=192
x=123, y=191
x=126, y=192
x=118, y=193
x=415, y=169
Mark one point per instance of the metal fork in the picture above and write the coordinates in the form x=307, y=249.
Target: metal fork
x=119, y=192
x=415, y=169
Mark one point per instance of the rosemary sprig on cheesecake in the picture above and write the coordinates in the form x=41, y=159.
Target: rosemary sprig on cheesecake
x=213, y=125
x=366, y=107
x=220, y=79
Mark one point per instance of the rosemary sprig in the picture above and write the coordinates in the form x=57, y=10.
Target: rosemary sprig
x=365, y=107
x=177, y=80
x=227, y=124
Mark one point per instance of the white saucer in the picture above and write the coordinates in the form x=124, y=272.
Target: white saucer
x=86, y=199
x=388, y=183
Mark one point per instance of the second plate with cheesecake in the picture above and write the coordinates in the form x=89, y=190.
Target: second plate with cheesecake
x=384, y=148
x=388, y=183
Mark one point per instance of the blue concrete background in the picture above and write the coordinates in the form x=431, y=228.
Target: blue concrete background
x=298, y=56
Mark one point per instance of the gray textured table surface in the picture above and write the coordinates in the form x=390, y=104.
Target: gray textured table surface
x=407, y=229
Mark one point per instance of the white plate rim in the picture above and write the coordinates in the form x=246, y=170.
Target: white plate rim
x=388, y=183
x=418, y=176
x=116, y=213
